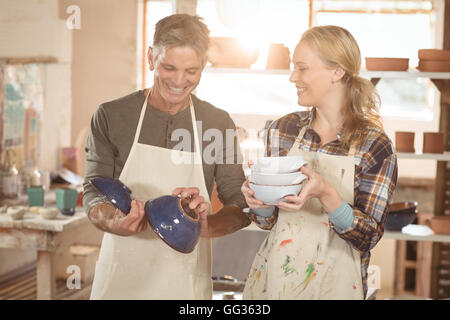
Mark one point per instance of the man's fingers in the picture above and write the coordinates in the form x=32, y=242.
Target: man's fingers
x=186, y=192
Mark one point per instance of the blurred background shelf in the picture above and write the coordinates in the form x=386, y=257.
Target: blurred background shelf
x=424, y=156
x=410, y=74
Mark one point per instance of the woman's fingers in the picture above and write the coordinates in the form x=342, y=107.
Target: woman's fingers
x=248, y=193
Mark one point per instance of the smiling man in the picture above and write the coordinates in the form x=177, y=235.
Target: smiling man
x=132, y=139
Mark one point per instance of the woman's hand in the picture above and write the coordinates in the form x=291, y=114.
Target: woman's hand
x=252, y=202
x=316, y=187
x=197, y=203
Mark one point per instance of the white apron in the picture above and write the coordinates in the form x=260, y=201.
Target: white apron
x=143, y=266
x=302, y=257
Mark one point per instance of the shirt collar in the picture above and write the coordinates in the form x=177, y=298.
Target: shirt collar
x=309, y=117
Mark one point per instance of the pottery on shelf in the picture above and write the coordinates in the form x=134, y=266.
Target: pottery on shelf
x=434, y=65
x=170, y=217
x=400, y=214
x=387, y=64
x=404, y=141
x=434, y=54
x=439, y=224
x=433, y=142
x=278, y=57
x=227, y=52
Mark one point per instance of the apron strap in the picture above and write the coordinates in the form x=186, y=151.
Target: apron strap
x=198, y=154
x=352, y=150
x=141, y=118
x=194, y=126
x=299, y=139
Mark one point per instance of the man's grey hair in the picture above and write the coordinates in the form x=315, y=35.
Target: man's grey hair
x=180, y=30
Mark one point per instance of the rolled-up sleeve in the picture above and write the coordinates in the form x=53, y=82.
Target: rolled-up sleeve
x=99, y=158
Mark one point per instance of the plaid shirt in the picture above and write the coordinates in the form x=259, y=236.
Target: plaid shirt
x=375, y=178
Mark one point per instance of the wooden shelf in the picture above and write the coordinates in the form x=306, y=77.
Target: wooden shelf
x=247, y=70
x=398, y=235
x=424, y=156
x=410, y=74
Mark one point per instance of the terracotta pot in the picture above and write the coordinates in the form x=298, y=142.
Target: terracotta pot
x=433, y=142
x=278, y=57
x=404, y=141
x=387, y=64
x=434, y=54
x=434, y=66
x=439, y=224
x=228, y=53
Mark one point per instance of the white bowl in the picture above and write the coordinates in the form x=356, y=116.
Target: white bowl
x=278, y=164
x=271, y=195
x=48, y=213
x=16, y=212
x=264, y=212
x=276, y=179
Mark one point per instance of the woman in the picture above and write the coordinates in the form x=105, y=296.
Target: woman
x=320, y=240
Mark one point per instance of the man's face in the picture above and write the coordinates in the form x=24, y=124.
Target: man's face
x=177, y=73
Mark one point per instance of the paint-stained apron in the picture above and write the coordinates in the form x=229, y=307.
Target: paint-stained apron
x=142, y=266
x=302, y=257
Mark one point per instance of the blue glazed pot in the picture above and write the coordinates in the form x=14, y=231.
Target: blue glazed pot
x=169, y=216
x=400, y=214
x=177, y=225
x=115, y=191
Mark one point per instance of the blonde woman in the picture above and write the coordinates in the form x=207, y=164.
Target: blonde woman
x=320, y=240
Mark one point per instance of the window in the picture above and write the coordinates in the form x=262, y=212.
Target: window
x=387, y=28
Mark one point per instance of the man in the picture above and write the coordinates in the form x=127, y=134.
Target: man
x=131, y=139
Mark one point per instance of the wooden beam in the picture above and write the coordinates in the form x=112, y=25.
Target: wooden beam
x=24, y=60
x=439, y=200
x=46, y=281
x=186, y=6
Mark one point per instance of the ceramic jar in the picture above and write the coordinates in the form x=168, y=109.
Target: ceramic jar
x=66, y=200
x=35, y=196
x=433, y=142
x=404, y=141
x=278, y=57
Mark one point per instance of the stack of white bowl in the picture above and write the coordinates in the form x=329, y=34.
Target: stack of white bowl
x=273, y=178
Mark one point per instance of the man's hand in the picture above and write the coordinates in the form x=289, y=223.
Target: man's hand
x=198, y=204
x=110, y=219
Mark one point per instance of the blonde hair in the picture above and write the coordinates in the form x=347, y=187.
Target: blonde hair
x=337, y=48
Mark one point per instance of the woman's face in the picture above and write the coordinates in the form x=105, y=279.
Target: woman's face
x=312, y=78
x=177, y=73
